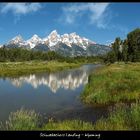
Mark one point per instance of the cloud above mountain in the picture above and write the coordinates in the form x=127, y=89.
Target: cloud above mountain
x=96, y=21
x=20, y=8
x=97, y=13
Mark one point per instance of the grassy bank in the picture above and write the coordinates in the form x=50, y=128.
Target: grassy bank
x=121, y=118
x=113, y=84
x=29, y=120
x=22, y=68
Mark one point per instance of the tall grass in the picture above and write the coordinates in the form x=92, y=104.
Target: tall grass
x=122, y=117
x=113, y=84
x=23, y=68
x=30, y=120
x=69, y=125
x=116, y=83
x=22, y=120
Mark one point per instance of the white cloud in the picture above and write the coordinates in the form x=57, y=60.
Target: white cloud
x=20, y=8
x=97, y=13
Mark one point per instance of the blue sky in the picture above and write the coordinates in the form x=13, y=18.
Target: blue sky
x=100, y=22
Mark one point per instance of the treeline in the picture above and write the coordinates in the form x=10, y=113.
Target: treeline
x=20, y=54
x=125, y=50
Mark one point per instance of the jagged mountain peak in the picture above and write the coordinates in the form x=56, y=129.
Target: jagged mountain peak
x=53, y=38
x=54, y=32
x=68, y=44
x=35, y=36
x=18, y=36
x=17, y=39
x=73, y=34
x=34, y=40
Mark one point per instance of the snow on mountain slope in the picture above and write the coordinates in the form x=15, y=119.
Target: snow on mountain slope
x=73, y=38
x=53, y=39
x=16, y=40
x=66, y=40
x=67, y=44
x=32, y=42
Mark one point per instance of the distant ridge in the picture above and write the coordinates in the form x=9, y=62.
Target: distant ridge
x=66, y=44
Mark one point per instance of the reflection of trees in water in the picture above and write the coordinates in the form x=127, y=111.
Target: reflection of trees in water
x=70, y=79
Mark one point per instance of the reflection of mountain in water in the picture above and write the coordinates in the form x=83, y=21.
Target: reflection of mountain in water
x=71, y=79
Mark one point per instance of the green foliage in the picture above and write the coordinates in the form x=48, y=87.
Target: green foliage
x=134, y=117
x=21, y=55
x=111, y=57
x=22, y=120
x=116, y=48
x=19, y=61
x=125, y=53
x=121, y=117
x=12, y=69
x=113, y=84
x=68, y=125
x=29, y=120
x=134, y=45
x=125, y=50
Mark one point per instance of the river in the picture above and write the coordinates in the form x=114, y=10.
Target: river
x=55, y=95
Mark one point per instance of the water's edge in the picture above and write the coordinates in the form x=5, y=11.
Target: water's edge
x=54, y=95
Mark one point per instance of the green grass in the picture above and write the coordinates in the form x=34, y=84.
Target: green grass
x=121, y=117
x=29, y=120
x=21, y=120
x=23, y=68
x=68, y=125
x=113, y=84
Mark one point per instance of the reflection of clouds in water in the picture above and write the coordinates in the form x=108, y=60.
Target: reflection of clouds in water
x=67, y=80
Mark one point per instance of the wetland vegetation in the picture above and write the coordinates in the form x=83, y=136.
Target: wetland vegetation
x=116, y=85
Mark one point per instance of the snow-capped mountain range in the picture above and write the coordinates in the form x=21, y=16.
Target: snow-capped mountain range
x=66, y=44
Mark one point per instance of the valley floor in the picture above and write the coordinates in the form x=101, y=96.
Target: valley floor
x=117, y=85
x=22, y=68
x=112, y=84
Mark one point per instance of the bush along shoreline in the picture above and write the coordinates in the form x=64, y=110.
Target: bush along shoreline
x=112, y=84
x=116, y=84
x=121, y=117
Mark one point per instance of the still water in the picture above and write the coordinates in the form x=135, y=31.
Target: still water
x=54, y=95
